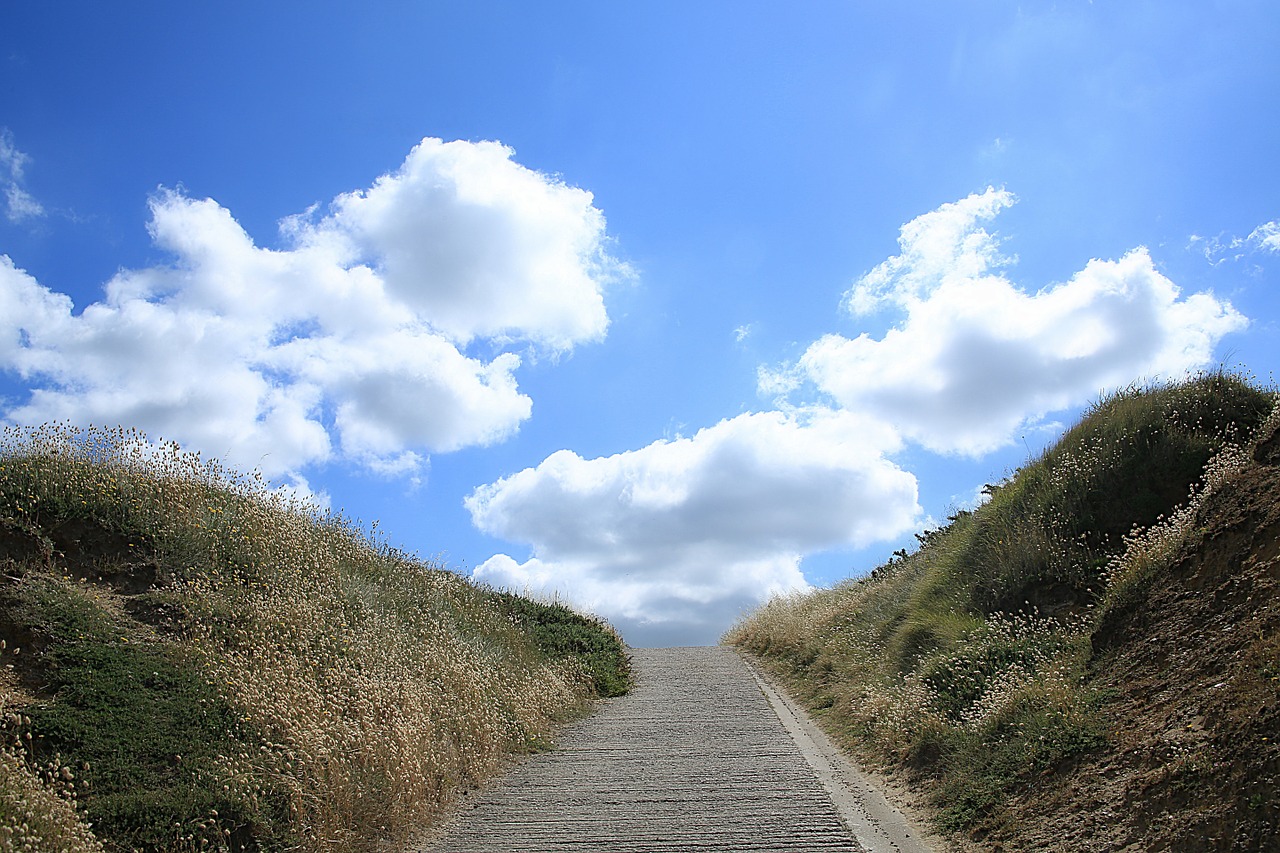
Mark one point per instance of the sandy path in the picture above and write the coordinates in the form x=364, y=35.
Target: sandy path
x=702, y=756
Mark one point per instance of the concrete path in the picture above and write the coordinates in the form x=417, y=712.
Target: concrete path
x=702, y=756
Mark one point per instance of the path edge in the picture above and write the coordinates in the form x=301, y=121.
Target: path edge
x=875, y=823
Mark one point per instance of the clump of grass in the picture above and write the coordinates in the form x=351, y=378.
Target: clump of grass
x=967, y=660
x=229, y=667
x=1027, y=725
x=37, y=803
x=35, y=817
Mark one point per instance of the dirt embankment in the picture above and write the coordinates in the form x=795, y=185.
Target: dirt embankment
x=1193, y=675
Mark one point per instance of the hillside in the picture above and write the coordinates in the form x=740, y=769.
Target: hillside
x=1090, y=660
x=192, y=661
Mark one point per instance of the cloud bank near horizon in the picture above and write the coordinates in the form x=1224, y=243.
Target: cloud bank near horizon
x=680, y=537
x=673, y=539
x=350, y=343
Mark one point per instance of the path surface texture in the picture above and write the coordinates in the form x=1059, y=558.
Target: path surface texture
x=704, y=755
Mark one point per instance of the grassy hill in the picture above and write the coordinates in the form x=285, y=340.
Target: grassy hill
x=190, y=661
x=1091, y=659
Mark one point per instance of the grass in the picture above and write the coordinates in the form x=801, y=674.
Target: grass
x=196, y=662
x=142, y=725
x=563, y=634
x=968, y=660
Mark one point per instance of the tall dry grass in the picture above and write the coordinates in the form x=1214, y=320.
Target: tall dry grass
x=364, y=687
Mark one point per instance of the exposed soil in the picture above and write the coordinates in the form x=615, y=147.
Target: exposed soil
x=110, y=563
x=1193, y=679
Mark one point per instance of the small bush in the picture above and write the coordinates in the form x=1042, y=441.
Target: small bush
x=561, y=633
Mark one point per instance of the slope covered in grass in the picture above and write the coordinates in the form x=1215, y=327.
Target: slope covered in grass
x=1087, y=661
x=194, y=662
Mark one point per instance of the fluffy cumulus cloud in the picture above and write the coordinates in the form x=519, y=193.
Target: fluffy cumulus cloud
x=351, y=341
x=975, y=358
x=510, y=253
x=673, y=541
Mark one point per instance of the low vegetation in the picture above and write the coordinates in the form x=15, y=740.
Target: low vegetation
x=192, y=661
x=1070, y=633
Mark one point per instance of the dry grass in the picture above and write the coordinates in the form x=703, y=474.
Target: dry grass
x=364, y=687
x=37, y=806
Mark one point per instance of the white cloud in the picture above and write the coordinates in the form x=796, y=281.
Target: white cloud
x=975, y=358
x=19, y=204
x=351, y=342
x=481, y=245
x=674, y=540
x=945, y=245
x=12, y=161
x=1266, y=236
x=1220, y=249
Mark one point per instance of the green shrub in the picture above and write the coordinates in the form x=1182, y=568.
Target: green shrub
x=561, y=633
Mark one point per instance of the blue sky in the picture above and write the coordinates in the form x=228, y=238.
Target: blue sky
x=662, y=308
